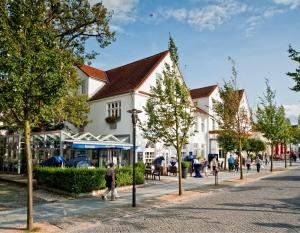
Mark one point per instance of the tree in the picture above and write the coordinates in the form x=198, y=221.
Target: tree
x=233, y=119
x=295, y=56
x=40, y=41
x=270, y=119
x=169, y=110
x=227, y=143
x=286, y=136
x=254, y=145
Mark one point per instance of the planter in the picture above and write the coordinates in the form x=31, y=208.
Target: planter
x=184, y=172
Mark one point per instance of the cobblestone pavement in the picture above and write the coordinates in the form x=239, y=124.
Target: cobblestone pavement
x=270, y=204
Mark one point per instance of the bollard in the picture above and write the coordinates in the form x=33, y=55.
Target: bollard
x=216, y=177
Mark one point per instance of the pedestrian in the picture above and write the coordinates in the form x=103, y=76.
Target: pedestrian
x=214, y=164
x=230, y=163
x=109, y=181
x=236, y=164
x=266, y=159
x=205, y=167
x=248, y=163
x=258, y=163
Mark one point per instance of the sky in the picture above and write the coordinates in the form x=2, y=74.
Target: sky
x=255, y=33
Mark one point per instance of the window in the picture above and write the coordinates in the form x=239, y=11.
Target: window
x=202, y=125
x=114, y=109
x=196, y=125
x=213, y=124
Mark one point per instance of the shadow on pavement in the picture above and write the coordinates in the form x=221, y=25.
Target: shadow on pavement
x=283, y=178
x=279, y=225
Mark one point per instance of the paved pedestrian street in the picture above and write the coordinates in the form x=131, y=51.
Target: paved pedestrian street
x=270, y=204
x=264, y=202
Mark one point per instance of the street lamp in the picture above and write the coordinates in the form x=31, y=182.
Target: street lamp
x=134, y=118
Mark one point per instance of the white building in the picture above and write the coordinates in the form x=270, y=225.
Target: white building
x=114, y=92
x=203, y=98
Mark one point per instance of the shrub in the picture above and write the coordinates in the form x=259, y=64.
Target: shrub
x=185, y=164
x=81, y=180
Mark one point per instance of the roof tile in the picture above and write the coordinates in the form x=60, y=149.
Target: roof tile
x=93, y=72
x=202, y=92
x=128, y=77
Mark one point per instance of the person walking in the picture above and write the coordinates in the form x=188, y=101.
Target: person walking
x=109, y=182
x=236, y=164
x=205, y=167
x=258, y=163
x=230, y=163
x=214, y=164
x=248, y=163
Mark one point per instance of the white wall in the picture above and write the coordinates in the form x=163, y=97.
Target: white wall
x=98, y=113
x=92, y=85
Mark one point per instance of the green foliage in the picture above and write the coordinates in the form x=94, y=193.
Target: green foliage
x=40, y=42
x=270, y=118
x=287, y=132
x=227, y=143
x=73, y=180
x=173, y=50
x=295, y=56
x=185, y=164
x=82, y=180
x=169, y=110
x=233, y=119
x=254, y=145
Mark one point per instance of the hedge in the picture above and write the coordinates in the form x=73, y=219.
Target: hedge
x=82, y=180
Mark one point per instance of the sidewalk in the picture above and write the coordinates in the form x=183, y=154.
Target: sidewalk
x=52, y=212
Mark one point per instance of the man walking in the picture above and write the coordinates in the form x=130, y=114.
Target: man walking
x=258, y=163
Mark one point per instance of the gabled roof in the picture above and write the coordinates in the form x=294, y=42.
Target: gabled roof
x=201, y=111
x=129, y=77
x=240, y=93
x=93, y=72
x=202, y=92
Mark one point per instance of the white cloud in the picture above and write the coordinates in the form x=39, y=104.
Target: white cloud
x=292, y=111
x=123, y=10
x=293, y=4
x=261, y=15
x=208, y=17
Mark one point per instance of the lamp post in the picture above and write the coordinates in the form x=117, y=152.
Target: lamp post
x=134, y=118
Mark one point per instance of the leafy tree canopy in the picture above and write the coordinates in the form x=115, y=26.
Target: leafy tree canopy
x=295, y=56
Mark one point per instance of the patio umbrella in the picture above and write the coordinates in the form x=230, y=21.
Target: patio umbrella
x=158, y=160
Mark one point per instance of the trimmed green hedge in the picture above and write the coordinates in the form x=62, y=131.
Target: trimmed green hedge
x=82, y=180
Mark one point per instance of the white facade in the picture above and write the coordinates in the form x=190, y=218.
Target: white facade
x=137, y=99
x=206, y=103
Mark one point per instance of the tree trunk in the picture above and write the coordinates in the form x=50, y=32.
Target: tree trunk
x=179, y=172
x=285, y=162
x=29, y=175
x=241, y=160
x=272, y=155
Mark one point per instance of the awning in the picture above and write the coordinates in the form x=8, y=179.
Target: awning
x=99, y=146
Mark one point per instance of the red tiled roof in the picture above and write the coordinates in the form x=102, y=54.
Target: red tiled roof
x=129, y=77
x=93, y=72
x=202, y=92
x=201, y=111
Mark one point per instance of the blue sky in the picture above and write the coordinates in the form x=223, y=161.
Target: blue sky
x=255, y=33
